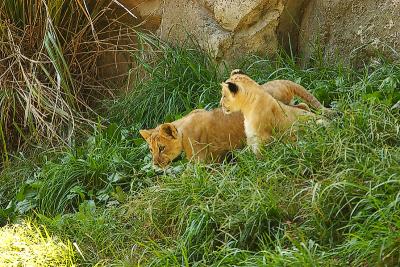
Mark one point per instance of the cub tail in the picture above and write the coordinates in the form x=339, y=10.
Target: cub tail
x=311, y=100
x=301, y=92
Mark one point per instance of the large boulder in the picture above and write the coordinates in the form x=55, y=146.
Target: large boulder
x=227, y=28
x=350, y=29
x=182, y=19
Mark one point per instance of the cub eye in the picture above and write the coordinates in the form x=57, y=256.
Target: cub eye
x=161, y=148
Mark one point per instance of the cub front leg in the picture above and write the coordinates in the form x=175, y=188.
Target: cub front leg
x=254, y=143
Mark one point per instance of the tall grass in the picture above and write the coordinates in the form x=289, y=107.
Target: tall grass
x=329, y=199
x=103, y=236
x=48, y=56
x=171, y=79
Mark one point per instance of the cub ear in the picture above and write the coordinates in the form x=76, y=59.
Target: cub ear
x=145, y=133
x=233, y=87
x=237, y=71
x=169, y=130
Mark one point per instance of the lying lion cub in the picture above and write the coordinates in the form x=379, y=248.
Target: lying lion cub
x=263, y=114
x=208, y=135
x=203, y=136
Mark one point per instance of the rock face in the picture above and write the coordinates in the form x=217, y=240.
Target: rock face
x=182, y=17
x=228, y=28
x=147, y=11
x=233, y=28
x=350, y=29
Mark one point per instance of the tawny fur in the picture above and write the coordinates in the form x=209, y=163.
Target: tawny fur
x=209, y=135
x=288, y=91
x=203, y=135
x=285, y=91
x=264, y=115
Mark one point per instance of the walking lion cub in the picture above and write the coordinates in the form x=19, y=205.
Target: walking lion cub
x=263, y=114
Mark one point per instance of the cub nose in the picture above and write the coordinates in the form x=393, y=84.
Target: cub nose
x=161, y=163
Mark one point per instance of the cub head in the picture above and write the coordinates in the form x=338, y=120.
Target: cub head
x=229, y=99
x=236, y=71
x=234, y=91
x=164, y=142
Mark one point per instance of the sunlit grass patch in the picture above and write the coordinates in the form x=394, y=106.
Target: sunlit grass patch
x=27, y=244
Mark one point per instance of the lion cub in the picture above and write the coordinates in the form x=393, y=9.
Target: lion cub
x=208, y=135
x=285, y=91
x=263, y=114
x=203, y=135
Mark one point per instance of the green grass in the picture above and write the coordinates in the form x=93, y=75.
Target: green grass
x=103, y=235
x=329, y=199
x=98, y=169
x=28, y=244
x=177, y=80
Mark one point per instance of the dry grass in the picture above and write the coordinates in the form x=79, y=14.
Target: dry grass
x=49, y=74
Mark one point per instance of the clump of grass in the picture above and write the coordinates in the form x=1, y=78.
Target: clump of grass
x=97, y=170
x=172, y=79
x=104, y=236
x=48, y=55
x=28, y=244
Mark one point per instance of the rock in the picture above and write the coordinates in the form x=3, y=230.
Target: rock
x=257, y=33
x=233, y=13
x=181, y=18
x=230, y=29
x=147, y=11
x=227, y=28
x=352, y=30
